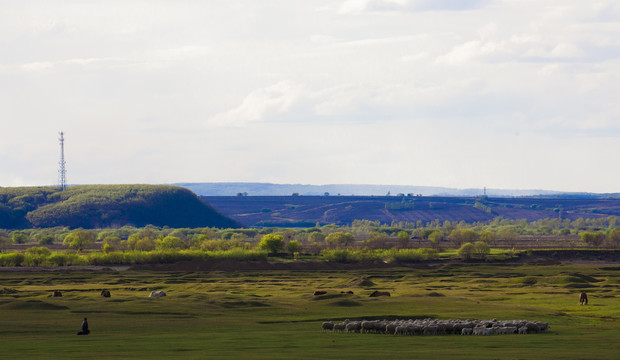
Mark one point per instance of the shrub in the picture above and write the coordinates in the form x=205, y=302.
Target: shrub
x=36, y=256
x=481, y=249
x=271, y=242
x=46, y=240
x=467, y=251
x=341, y=256
x=11, y=259
x=145, y=244
x=170, y=243
x=293, y=246
x=111, y=243
x=411, y=255
x=593, y=238
x=339, y=239
x=78, y=239
x=19, y=237
x=614, y=237
x=239, y=254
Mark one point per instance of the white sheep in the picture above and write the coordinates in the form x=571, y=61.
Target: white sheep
x=339, y=327
x=327, y=325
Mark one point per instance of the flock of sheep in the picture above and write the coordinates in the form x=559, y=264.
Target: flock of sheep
x=438, y=327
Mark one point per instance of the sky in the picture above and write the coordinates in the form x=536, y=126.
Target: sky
x=505, y=94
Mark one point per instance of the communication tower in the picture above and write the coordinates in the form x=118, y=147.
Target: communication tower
x=62, y=171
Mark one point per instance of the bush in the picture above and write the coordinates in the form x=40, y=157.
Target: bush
x=593, y=238
x=614, y=237
x=19, y=237
x=481, y=249
x=467, y=251
x=11, y=259
x=239, y=254
x=36, y=256
x=339, y=239
x=271, y=242
x=341, y=256
x=78, y=239
x=411, y=255
x=170, y=243
x=293, y=246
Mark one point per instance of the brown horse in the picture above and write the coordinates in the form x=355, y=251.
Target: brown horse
x=583, y=298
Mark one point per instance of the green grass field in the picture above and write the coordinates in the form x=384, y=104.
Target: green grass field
x=273, y=314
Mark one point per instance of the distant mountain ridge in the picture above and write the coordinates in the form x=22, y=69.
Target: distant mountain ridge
x=269, y=189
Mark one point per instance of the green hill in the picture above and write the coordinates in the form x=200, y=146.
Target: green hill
x=99, y=206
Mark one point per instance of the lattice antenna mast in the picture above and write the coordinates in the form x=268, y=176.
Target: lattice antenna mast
x=62, y=171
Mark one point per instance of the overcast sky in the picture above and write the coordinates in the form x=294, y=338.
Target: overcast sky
x=511, y=94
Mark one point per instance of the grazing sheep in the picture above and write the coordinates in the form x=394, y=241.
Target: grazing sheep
x=543, y=326
x=583, y=298
x=354, y=326
x=480, y=330
x=158, y=293
x=438, y=327
x=327, y=325
x=390, y=328
x=339, y=327
x=430, y=330
x=401, y=330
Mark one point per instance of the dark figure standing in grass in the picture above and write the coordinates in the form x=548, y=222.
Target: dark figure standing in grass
x=583, y=298
x=85, y=330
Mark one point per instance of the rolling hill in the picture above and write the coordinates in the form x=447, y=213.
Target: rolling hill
x=308, y=210
x=99, y=206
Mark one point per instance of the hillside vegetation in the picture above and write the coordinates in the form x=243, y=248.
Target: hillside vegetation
x=99, y=206
x=344, y=210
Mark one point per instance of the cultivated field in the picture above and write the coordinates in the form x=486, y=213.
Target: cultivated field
x=274, y=314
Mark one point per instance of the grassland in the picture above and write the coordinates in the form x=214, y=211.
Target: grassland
x=274, y=314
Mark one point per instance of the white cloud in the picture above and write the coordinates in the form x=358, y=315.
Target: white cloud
x=37, y=66
x=358, y=6
x=260, y=104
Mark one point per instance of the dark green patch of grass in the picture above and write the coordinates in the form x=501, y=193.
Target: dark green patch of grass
x=32, y=305
x=345, y=303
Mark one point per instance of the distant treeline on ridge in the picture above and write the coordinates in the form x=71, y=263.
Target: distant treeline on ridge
x=99, y=206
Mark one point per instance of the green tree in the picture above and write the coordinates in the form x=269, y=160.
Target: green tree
x=316, y=236
x=467, y=251
x=272, y=243
x=510, y=237
x=293, y=246
x=145, y=244
x=594, y=239
x=481, y=249
x=111, y=243
x=339, y=239
x=460, y=236
x=435, y=238
x=488, y=237
x=4, y=242
x=377, y=240
x=19, y=237
x=403, y=239
x=78, y=239
x=614, y=237
x=170, y=243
